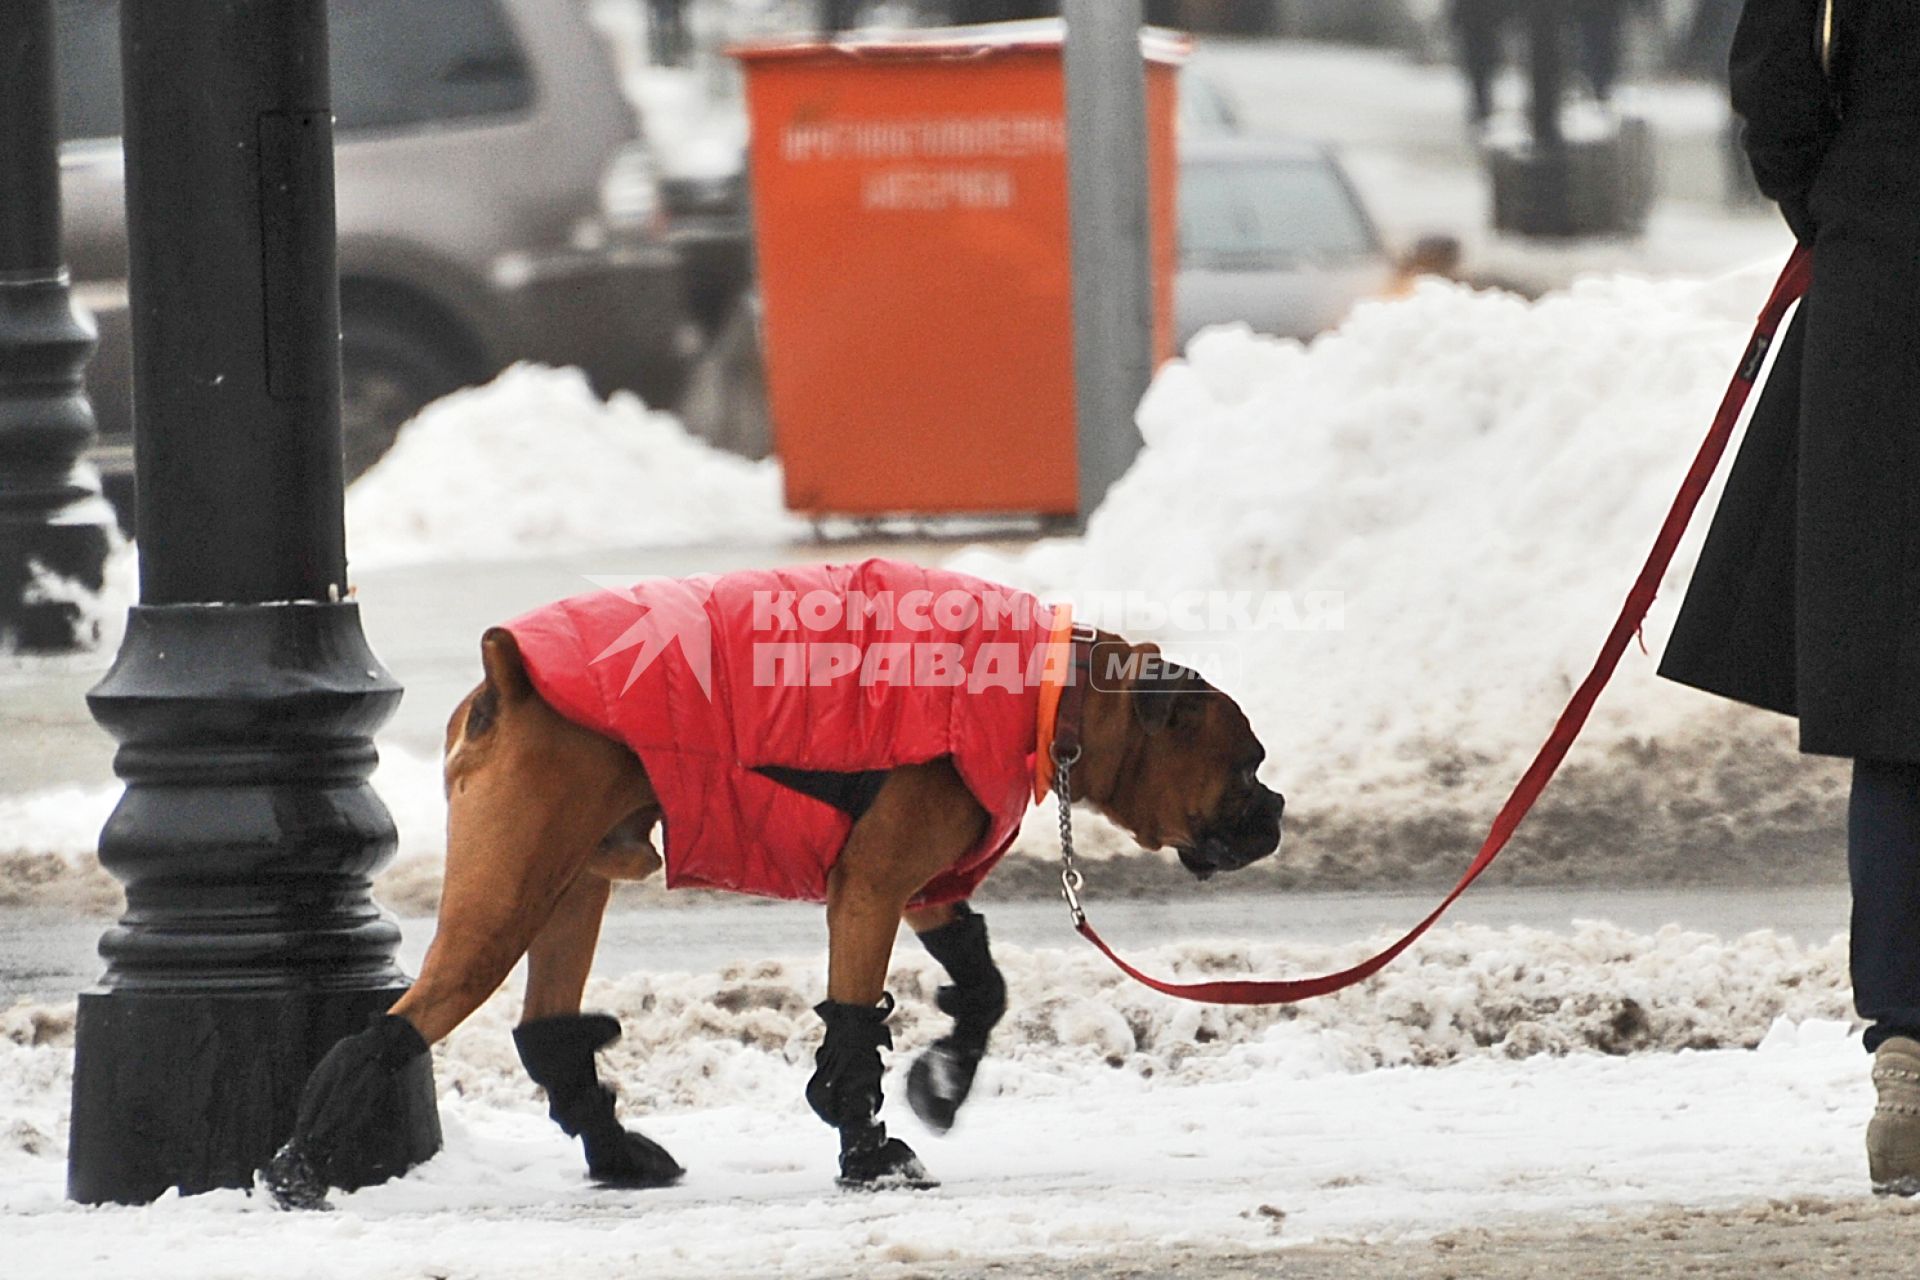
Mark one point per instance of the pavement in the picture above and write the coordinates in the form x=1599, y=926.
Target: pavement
x=1791, y=1237
x=1399, y=126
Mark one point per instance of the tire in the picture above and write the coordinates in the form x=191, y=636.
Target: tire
x=389, y=371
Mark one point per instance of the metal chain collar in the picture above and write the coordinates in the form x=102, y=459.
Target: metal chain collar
x=1071, y=880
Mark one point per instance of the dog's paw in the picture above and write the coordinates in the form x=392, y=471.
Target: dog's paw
x=293, y=1182
x=890, y=1165
x=938, y=1082
x=635, y=1161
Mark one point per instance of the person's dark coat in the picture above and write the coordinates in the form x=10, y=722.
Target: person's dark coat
x=1807, y=596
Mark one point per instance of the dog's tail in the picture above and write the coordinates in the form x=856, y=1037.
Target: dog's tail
x=505, y=685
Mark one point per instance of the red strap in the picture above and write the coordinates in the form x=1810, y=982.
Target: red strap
x=1792, y=284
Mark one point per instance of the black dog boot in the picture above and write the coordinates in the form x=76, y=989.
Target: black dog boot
x=942, y=1077
x=558, y=1054
x=845, y=1092
x=356, y=1125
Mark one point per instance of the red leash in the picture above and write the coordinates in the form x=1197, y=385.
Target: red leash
x=1791, y=285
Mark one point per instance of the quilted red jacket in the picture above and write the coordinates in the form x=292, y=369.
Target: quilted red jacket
x=831, y=668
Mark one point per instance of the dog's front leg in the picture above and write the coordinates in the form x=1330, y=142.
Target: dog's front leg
x=862, y=918
x=920, y=823
x=942, y=1077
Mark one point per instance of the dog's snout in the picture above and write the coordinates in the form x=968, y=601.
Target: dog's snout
x=1274, y=803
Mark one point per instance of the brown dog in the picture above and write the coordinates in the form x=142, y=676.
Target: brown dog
x=544, y=814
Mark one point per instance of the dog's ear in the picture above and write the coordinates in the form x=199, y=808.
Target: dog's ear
x=1162, y=693
x=500, y=658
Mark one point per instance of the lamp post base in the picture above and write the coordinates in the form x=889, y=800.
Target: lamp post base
x=247, y=840
x=196, y=1092
x=44, y=570
x=55, y=529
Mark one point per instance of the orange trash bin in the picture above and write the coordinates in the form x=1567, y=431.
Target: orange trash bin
x=911, y=224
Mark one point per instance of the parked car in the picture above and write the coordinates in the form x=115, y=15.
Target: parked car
x=495, y=203
x=1206, y=108
x=1271, y=233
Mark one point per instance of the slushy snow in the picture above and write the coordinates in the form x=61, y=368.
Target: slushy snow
x=1500, y=1073
x=534, y=463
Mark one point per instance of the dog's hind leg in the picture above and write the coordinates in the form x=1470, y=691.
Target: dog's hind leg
x=529, y=797
x=557, y=1044
x=562, y=952
x=942, y=1077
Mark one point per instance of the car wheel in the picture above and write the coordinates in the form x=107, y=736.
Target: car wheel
x=388, y=373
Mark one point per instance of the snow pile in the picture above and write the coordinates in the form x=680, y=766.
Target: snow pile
x=726, y=1038
x=47, y=844
x=1447, y=500
x=1435, y=513
x=718, y=1039
x=535, y=464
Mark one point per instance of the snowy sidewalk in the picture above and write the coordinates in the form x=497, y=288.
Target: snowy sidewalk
x=1295, y=1154
x=1494, y=1078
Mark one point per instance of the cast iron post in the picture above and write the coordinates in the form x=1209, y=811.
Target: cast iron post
x=1112, y=252
x=55, y=529
x=244, y=697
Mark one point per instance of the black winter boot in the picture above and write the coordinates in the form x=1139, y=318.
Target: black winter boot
x=942, y=1077
x=354, y=1128
x=845, y=1092
x=558, y=1054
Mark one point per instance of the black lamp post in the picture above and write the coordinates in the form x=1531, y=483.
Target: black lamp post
x=53, y=523
x=244, y=697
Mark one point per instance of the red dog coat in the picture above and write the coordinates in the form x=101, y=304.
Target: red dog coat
x=833, y=668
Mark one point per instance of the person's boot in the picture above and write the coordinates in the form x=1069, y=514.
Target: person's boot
x=942, y=1077
x=355, y=1126
x=558, y=1054
x=845, y=1092
x=1893, y=1135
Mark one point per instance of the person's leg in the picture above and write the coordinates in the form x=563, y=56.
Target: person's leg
x=1598, y=30
x=1883, y=859
x=1883, y=863
x=1478, y=42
